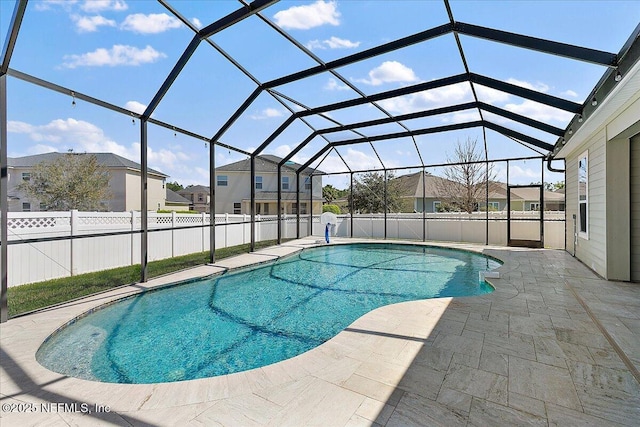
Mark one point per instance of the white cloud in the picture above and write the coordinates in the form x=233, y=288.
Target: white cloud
x=41, y=149
x=389, y=72
x=491, y=96
x=569, y=93
x=19, y=127
x=314, y=45
x=537, y=111
x=309, y=16
x=356, y=159
x=116, y=56
x=538, y=86
x=73, y=134
x=90, y=24
x=461, y=117
x=338, y=43
x=135, y=106
x=100, y=5
x=517, y=174
x=282, y=150
x=153, y=23
x=48, y=4
x=332, y=43
x=82, y=136
x=196, y=22
x=425, y=100
x=333, y=84
x=267, y=113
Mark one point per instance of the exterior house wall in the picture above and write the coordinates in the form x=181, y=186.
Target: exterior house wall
x=635, y=208
x=590, y=249
x=610, y=248
x=238, y=190
x=15, y=179
x=156, y=192
x=124, y=188
x=417, y=205
x=118, y=188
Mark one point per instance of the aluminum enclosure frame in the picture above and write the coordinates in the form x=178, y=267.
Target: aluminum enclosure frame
x=612, y=62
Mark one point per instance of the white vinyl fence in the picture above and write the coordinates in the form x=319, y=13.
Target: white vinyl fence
x=34, y=261
x=452, y=227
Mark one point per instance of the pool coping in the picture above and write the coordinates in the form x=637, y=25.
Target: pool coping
x=25, y=380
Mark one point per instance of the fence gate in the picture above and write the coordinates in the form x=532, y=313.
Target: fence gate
x=525, y=204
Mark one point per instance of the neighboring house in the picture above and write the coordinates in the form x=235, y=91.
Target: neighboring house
x=124, y=184
x=176, y=202
x=522, y=199
x=528, y=198
x=233, y=187
x=198, y=197
x=602, y=183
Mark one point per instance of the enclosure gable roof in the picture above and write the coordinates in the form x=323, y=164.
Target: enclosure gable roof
x=537, y=134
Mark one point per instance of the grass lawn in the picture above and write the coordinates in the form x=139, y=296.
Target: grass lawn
x=33, y=296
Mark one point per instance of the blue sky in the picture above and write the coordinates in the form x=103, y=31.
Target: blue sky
x=121, y=51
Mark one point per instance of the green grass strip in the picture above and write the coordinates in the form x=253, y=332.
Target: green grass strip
x=34, y=296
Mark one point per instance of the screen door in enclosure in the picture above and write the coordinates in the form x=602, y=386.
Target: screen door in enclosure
x=525, y=211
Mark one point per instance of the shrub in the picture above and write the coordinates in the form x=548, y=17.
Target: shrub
x=331, y=208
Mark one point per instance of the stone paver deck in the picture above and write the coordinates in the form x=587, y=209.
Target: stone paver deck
x=553, y=345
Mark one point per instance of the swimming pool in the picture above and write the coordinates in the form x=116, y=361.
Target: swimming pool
x=254, y=316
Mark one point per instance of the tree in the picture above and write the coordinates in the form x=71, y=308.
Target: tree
x=464, y=183
x=330, y=193
x=331, y=208
x=71, y=181
x=369, y=190
x=551, y=186
x=174, y=186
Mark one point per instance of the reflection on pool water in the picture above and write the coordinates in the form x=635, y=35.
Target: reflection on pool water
x=256, y=316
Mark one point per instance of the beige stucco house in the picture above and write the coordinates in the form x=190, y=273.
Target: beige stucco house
x=233, y=187
x=124, y=184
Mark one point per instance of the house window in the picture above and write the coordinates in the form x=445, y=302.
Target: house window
x=307, y=183
x=436, y=206
x=236, y=208
x=534, y=206
x=26, y=207
x=303, y=208
x=494, y=206
x=26, y=176
x=258, y=183
x=583, y=196
x=294, y=208
x=258, y=208
x=266, y=208
x=200, y=197
x=222, y=180
x=285, y=182
x=43, y=207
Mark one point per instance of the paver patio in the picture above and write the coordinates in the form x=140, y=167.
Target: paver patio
x=553, y=345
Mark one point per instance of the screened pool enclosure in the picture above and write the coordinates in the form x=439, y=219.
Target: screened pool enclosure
x=225, y=94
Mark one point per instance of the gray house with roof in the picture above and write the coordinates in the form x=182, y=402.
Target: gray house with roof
x=124, y=183
x=198, y=197
x=522, y=199
x=233, y=187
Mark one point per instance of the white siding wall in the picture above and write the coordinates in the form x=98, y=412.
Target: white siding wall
x=635, y=208
x=591, y=251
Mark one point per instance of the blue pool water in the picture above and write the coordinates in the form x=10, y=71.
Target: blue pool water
x=256, y=316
